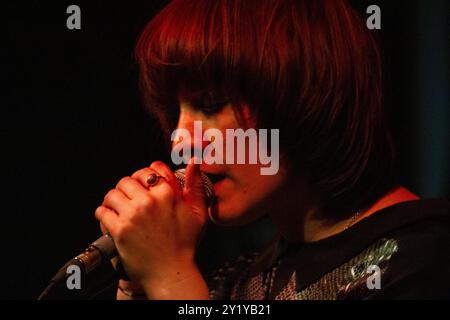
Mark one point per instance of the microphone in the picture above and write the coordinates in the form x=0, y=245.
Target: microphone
x=102, y=250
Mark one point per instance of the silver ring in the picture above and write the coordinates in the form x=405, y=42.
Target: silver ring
x=152, y=179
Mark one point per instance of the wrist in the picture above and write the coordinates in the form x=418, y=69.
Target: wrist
x=127, y=290
x=125, y=294
x=183, y=284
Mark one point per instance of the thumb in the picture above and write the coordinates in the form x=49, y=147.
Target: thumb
x=194, y=192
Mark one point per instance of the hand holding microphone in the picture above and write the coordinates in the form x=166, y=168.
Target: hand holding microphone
x=155, y=226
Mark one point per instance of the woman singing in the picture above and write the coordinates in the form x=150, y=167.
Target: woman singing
x=311, y=70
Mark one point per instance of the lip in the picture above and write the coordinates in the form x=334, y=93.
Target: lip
x=218, y=186
x=217, y=179
x=215, y=176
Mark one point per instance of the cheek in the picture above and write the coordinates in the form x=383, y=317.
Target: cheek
x=258, y=190
x=248, y=195
x=262, y=185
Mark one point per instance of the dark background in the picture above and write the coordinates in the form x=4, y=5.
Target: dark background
x=72, y=124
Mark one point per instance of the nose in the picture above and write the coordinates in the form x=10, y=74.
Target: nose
x=189, y=133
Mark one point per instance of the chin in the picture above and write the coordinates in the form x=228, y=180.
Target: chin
x=226, y=215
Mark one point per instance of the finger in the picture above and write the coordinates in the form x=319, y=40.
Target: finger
x=116, y=201
x=193, y=189
x=142, y=175
x=165, y=181
x=132, y=188
x=168, y=174
x=162, y=191
x=102, y=227
x=107, y=217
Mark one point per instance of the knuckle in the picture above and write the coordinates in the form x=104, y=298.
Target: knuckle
x=157, y=164
x=98, y=212
x=139, y=173
x=110, y=195
x=107, y=196
x=123, y=181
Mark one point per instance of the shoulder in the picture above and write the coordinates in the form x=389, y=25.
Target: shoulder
x=419, y=270
x=416, y=252
x=402, y=252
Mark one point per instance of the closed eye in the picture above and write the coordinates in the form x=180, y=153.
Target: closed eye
x=213, y=108
x=209, y=103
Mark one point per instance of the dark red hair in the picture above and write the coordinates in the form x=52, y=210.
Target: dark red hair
x=310, y=68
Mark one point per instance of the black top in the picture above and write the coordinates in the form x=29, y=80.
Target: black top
x=408, y=242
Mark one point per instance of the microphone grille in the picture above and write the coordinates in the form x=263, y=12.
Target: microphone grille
x=207, y=184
